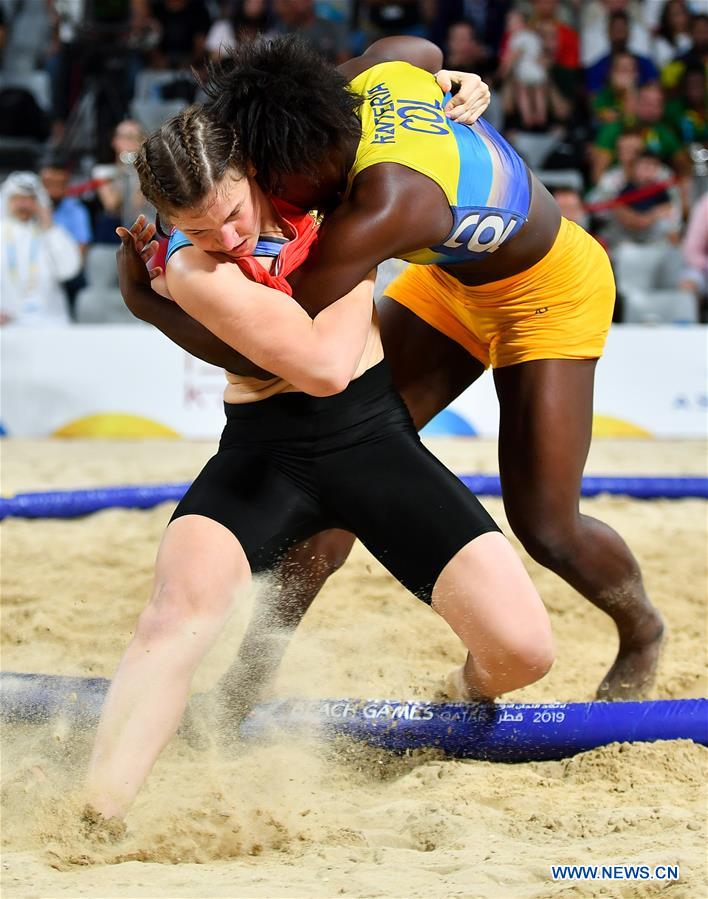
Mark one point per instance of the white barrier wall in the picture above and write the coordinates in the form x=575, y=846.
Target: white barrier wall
x=130, y=380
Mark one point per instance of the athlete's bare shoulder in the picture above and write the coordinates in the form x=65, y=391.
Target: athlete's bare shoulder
x=191, y=260
x=190, y=270
x=414, y=50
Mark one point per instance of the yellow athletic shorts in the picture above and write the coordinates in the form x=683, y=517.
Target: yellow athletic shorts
x=560, y=308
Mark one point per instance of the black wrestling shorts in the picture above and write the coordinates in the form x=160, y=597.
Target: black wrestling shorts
x=293, y=465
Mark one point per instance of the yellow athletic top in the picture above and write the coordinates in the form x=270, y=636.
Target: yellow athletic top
x=485, y=181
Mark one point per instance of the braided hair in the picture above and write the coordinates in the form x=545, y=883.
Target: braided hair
x=289, y=106
x=180, y=163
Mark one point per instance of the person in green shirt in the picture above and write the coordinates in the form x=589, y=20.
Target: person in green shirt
x=656, y=130
x=617, y=98
x=687, y=111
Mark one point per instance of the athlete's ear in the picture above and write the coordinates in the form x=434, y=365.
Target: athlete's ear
x=251, y=170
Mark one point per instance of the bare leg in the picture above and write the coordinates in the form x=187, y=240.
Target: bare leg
x=545, y=431
x=200, y=566
x=544, y=437
x=487, y=598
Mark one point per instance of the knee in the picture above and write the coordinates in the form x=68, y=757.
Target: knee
x=172, y=609
x=523, y=658
x=535, y=655
x=551, y=544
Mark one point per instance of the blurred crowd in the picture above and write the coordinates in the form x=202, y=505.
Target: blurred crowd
x=605, y=99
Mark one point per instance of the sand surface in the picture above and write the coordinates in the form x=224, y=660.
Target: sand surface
x=310, y=820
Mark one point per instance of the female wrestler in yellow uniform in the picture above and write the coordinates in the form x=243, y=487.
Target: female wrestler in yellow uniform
x=497, y=277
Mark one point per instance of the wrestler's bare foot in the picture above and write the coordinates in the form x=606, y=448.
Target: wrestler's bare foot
x=633, y=672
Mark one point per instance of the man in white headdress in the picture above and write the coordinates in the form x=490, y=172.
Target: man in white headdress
x=37, y=255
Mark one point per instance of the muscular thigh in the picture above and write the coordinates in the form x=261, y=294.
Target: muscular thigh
x=429, y=370
x=544, y=436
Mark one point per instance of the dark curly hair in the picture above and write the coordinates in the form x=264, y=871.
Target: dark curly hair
x=288, y=105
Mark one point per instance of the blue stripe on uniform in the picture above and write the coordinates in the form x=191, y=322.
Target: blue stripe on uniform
x=177, y=241
x=476, y=172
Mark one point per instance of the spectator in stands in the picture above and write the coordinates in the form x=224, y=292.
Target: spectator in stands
x=560, y=93
x=697, y=56
x=674, y=33
x=69, y=213
x=242, y=18
x=119, y=190
x=648, y=216
x=595, y=40
x=524, y=65
x=567, y=52
x=487, y=17
x=658, y=135
x=613, y=181
x=93, y=49
x=36, y=255
x=466, y=53
x=645, y=238
x=597, y=75
x=695, y=256
x=571, y=206
x=563, y=80
x=381, y=18
x=326, y=36
x=617, y=100
x=184, y=25
x=687, y=111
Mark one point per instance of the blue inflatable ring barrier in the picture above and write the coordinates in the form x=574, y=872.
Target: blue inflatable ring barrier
x=636, y=487
x=507, y=732
x=74, y=503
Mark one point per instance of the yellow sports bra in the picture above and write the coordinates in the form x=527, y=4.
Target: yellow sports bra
x=484, y=179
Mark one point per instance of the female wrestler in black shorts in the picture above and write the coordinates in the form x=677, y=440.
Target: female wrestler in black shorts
x=325, y=443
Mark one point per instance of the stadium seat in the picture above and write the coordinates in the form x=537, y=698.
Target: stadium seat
x=647, y=266
x=101, y=268
x=102, y=306
x=37, y=83
x=646, y=276
x=19, y=153
x=554, y=178
x=149, y=82
x=654, y=307
x=101, y=302
x=28, y=37
x=535, y=148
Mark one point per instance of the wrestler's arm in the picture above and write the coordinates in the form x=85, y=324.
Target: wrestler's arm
x=318, y=355
x=168, y=317
x=392, y=210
